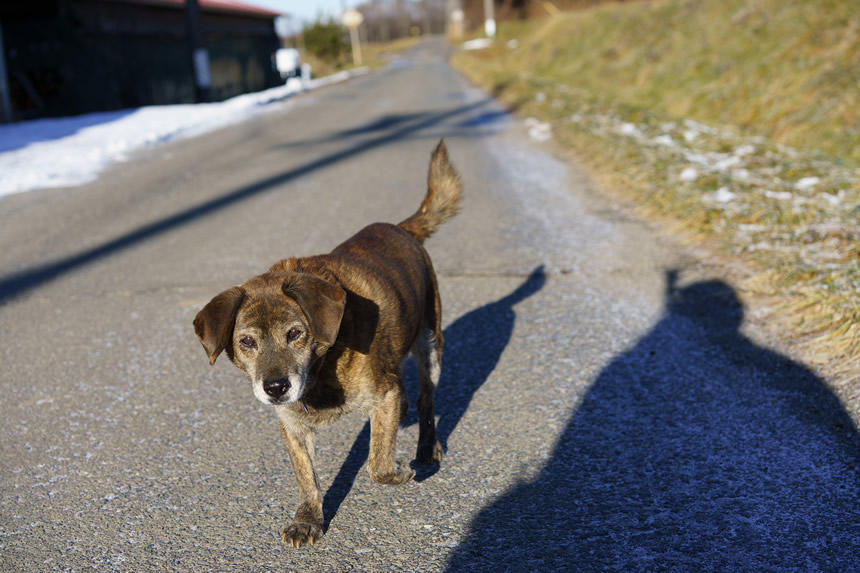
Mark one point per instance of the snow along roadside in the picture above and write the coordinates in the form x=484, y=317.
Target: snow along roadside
x=38, y=154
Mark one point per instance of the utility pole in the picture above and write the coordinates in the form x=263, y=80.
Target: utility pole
x=5, y=101
x=199, y=55
x=454, y=20
x=352, y=19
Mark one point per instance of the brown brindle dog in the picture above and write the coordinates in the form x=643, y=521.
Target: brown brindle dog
x=323, y=335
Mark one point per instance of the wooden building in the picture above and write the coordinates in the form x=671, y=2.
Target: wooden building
x=67, y=57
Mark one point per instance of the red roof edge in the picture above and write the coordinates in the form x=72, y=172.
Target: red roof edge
x=216, y=6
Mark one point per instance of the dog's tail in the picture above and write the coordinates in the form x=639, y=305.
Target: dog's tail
x=444, y=193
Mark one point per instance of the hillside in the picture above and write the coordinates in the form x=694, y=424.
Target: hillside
x=788, y=70
x=734, y=121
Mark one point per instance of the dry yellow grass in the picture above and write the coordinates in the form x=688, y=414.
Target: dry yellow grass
x=620, y=85
x=784, y=69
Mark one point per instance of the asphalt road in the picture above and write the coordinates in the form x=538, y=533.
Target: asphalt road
x=601, y=403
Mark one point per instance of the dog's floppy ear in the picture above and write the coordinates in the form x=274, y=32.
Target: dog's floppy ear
x=321, y=301
x=214, y=324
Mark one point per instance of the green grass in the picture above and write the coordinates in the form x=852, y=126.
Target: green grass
x=753, y=95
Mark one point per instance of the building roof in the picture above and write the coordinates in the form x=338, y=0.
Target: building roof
x=222, y=6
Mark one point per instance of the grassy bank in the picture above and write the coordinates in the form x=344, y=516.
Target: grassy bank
x=784, y=69
x=737, y=120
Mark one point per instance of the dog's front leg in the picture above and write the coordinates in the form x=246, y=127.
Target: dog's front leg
x=383, y=434
x=307, y=525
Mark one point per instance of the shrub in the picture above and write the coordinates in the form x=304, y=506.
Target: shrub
x=326, y=42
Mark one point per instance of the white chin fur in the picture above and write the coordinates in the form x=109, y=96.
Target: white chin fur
x=260, y=395
x=297, y=388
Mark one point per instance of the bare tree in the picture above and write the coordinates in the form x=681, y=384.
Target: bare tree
x=386, y=20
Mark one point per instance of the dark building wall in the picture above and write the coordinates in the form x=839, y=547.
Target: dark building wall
x=75, y=56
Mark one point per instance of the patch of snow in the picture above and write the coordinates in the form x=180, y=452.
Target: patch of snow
x=513, y=44
x=781, y=195
x=664, y=139
x=699, y=158
x=745, y=149
x=699, y=127
x=477, y=44
x=834, y=200
x=629, y=129
x=689, y=174
x=727, y=163
x=764, y=246
x=742, y=174
x=806, y=183
x=721, y=195
x=825, y=229
x=538, y=130
x=70, y=151
x=752, y=228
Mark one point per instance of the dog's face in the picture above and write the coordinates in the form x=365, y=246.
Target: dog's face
x=273, y=328
x=273, y=345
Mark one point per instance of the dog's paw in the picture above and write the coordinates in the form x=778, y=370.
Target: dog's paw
x=401, y=476
x=429, y=454
x=298, y=533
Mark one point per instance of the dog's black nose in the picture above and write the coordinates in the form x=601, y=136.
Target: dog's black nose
x=276, y=388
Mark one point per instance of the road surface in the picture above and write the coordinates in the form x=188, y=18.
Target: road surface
x=601, y=405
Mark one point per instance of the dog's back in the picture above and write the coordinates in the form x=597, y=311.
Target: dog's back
x=387, y=273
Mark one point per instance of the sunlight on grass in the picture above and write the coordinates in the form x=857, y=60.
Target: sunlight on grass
x=737, y=119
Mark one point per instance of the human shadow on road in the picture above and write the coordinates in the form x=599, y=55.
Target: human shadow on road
x=473, y=346
x=694, y=450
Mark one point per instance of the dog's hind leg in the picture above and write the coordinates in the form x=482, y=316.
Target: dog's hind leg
x=427, y=352
x=383, y=432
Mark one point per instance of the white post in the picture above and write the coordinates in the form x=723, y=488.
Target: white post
x=356, y=46
x=352, y=19
x=489, y=19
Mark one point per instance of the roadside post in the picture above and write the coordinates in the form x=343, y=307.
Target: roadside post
x=5, y=100
x=489, y=19
x=352, y=19
x=199, y=55
x=455, y=25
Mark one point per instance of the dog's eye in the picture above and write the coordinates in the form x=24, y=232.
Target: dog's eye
x=247, y=342
x=294, y=333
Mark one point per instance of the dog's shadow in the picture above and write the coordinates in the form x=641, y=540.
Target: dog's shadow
x=473, y=346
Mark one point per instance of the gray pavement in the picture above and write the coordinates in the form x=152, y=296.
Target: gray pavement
x=601, y=404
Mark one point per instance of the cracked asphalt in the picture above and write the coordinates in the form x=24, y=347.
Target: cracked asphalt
x=604, y=403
